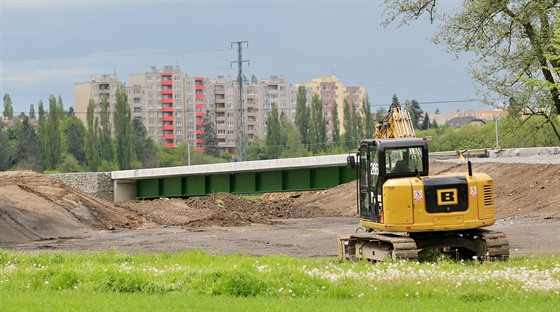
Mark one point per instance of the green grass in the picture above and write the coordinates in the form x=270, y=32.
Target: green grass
x=197, y=281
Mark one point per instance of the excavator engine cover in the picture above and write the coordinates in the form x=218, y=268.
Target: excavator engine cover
x=446, y=194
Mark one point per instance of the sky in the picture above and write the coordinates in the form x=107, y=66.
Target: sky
x=47, y=46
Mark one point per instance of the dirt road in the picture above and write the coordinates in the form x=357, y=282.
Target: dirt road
x=38, y=213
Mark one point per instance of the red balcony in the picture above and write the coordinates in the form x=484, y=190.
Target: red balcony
x=168, y=136
x=201, y=149
x=170, y=145
x=199, y=131
x=167, y=109
x=199, y=141
x=167, y=91
x=199, y=105
x=167, y=101
x=199, y=122
x=199, y=96
x=199, y=114
x=166, y=82
x=199, y=87
x=167, y=118
x=166, y=74
x=167, y=127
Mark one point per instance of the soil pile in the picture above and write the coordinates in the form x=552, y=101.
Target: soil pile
x=34, y=206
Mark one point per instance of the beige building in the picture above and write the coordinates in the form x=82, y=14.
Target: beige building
x=104, y=86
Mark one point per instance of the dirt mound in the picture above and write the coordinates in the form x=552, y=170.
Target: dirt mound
x=223, y=209
x=34, y=207
x=519, y=189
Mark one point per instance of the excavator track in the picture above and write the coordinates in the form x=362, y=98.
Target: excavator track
x=375, y=246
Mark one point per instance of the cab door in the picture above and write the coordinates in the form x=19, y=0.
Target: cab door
x=364, y=182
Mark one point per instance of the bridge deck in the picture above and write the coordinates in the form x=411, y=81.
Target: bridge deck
x=290, y=174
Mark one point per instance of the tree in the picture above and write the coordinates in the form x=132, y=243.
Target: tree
x=4, y=151
x=302, y=114
x=254, y=79
x=273, y=138
x=413, y=108
x=53, y=145
x=74, y=137
x=336, y=125
x=144, y=147
x=349, y=136
x=8, y=108
x=42, y=128
x=92, y=146
x=32, y=112
x=509, y=39
x=210, y=136
x=28, y=156
x=291, y=139
x=317, y=126
x=425, y=122
x=123, y=129
x=380, y=114
x=106, y=149
x=369, y=123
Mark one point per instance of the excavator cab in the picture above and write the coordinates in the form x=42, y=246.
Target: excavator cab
x=381, y=160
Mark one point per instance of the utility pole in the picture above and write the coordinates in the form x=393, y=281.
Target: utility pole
x=241, y=146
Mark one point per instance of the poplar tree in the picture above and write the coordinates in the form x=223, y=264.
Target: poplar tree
x=273, y=134
x=32, y=112
x=349, y=126
x=302, y=114
x=54, y=144
x=336, y=125
x=42, y=128
x=92, y=146
x=106, y=149
x=8, y=112
x=369, y=123
x=317, y=127
x=123, y=129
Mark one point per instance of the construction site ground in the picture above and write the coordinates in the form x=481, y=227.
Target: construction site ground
x=38, y=213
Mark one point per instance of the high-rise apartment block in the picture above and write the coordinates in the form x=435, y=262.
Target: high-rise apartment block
x=173, y=106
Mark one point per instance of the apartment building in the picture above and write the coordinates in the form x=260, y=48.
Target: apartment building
x=100, y=87
x=332, y=92
x=172, y=105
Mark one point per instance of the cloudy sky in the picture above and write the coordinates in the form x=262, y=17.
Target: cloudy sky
x=47, y=46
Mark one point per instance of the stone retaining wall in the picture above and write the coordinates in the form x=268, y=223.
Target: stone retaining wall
x=98, y=184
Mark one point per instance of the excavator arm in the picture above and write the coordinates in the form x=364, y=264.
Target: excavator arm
x=395, y=125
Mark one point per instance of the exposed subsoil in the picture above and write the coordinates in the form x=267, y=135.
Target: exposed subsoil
x=39, y=213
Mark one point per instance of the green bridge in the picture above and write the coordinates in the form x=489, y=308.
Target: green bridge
x=278, y=175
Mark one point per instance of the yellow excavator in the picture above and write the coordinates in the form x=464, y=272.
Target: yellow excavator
x=405, y=213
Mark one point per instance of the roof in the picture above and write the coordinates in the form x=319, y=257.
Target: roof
x=458, y=122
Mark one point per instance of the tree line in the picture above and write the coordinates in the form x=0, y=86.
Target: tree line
x=62, y=143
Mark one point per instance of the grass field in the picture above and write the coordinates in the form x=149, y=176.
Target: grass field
x=195, y=281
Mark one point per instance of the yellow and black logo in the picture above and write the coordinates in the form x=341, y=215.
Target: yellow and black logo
x=447, y=197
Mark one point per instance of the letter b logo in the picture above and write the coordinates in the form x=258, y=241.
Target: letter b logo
x=447, y=197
